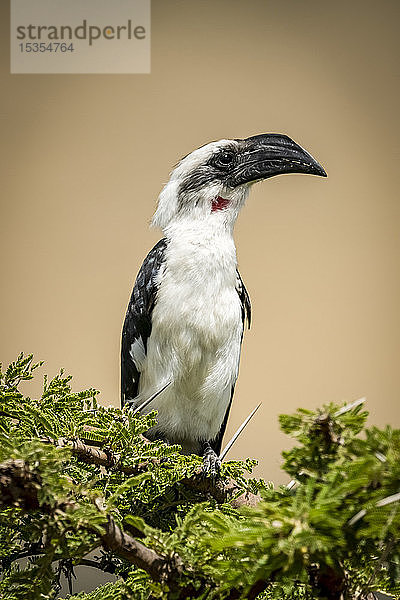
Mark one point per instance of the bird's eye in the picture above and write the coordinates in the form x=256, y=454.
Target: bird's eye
x=223, y=159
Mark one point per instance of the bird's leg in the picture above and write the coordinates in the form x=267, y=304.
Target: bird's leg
x=211, y=462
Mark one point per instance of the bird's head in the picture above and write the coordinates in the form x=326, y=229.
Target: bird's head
x=213, y=181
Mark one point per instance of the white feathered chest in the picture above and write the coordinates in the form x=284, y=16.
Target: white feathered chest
x=196, y=336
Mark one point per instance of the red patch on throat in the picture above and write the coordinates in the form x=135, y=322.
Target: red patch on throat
x=219, y=203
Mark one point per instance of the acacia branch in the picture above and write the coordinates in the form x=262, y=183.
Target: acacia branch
x=90, y=454
x=221, y=490
x=96, y=564
x=19, y=487
x=135, y=552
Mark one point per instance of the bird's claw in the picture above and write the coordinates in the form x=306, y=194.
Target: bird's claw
x=211, y=463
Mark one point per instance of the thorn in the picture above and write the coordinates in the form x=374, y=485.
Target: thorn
x=292, y=484
x=348, y=407
x=380, y=457
x=388, y=500
x=383, y=502
x=357, y=517
x=236, y=434
x=146, y=402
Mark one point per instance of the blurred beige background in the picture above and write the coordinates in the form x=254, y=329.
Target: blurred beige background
x=83, y=158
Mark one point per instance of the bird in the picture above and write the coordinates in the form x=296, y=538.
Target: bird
x=183, y=329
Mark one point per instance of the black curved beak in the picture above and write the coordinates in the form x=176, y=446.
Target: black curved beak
x=266, y=155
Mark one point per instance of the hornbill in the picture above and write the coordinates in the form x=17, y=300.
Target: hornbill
x=188, y=308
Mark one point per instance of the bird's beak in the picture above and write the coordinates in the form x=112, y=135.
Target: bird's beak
x=263, y=156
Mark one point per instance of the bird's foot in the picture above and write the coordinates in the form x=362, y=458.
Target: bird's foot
x=211, y=461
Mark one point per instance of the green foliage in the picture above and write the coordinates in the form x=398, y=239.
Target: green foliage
x=330, y=521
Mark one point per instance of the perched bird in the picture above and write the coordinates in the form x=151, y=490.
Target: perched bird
x=188, y=308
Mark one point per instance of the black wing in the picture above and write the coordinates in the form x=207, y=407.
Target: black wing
x=246, y=316
x=137, y=325
x=244, y=300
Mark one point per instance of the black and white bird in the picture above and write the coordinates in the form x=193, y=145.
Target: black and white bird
x=188, y=308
